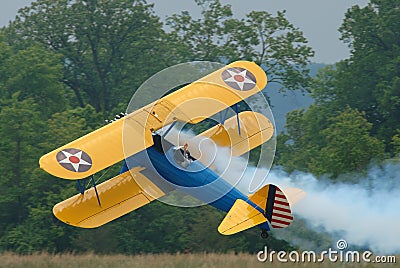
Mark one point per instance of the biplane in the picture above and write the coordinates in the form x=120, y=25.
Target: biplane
x=153, y=167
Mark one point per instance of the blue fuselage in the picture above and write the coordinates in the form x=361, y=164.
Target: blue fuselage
x=196, y=179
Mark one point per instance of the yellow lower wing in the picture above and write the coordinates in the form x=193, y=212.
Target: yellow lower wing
x=240, y=217
x=118, y=196
x=255, y=129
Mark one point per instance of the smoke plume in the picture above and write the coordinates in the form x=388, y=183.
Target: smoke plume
x=365, y=212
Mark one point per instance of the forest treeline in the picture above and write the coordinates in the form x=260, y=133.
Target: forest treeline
x=66, y=65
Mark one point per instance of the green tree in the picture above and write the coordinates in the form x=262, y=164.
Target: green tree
x=108, y=47
x=357, y=100
x=271, y=41
x=327, y=138
x=33, y=73
x=204, y=37
x=396, y=143
x=323, y=142
x=369, y=79
x=350, y=147
x=20, y=124
x=299, y=148
x=29, y=189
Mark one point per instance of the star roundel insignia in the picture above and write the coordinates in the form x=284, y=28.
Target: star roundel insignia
x=74, y=160
x=239, y=78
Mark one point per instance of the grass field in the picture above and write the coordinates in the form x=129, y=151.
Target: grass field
x=159, y=260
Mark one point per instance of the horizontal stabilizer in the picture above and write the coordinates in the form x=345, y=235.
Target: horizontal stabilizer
x=240, y=217
x=255, y=129
x=294, y=195
x=118, y=196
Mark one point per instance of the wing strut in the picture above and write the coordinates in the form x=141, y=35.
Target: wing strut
x=95, y=189
x=237, y=117
x=223, y=118
x=169, y=129
x=81, y=187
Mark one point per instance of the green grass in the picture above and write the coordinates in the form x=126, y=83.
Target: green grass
x=158, y=260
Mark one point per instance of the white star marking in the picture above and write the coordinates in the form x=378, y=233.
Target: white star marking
x=243, y=75
x=75, y=165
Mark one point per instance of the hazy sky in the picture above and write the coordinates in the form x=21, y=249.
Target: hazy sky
x=318, y=19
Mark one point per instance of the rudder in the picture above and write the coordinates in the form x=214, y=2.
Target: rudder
x=275, y=204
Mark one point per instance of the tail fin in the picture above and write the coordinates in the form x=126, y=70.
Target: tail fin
x=275, y=204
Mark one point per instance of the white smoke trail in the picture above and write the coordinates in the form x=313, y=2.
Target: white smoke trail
x=365, y=214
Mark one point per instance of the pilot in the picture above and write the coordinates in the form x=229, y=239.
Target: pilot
x=182, y=155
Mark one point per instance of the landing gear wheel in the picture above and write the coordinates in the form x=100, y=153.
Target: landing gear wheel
x=264, y=234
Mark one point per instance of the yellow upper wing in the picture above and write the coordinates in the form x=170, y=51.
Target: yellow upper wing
x=131, y=134
x=217, y=91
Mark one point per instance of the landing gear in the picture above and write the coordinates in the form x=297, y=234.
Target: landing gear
x=264, y=234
